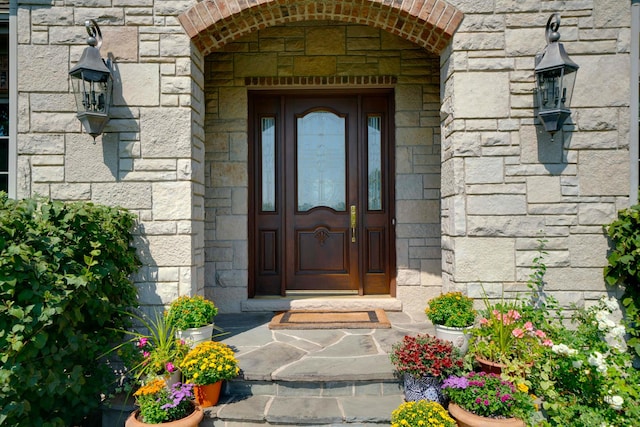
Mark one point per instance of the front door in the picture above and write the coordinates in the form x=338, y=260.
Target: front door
x=320, y=193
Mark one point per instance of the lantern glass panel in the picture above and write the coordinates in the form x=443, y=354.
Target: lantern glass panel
x=91, y=96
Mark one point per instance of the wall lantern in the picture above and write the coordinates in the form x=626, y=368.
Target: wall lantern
x=555, y=77
x=91, y=82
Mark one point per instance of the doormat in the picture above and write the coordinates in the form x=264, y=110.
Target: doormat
x=330, y=319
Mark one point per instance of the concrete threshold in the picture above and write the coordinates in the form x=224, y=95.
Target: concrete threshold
x=321, y=302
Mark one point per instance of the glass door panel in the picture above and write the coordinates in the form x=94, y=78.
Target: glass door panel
x=268, y=145
x=321, y=161
x=374, y=164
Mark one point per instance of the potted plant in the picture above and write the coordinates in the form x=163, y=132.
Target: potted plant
x=171, y=407
x=506, y=341
x=193, y=318
x=206, y=366
x=452, y=314
x=421, y=413
x=157, y=352
x=480, y=399
x=424, y=361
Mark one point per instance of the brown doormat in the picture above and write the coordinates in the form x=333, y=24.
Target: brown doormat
x=330, y=319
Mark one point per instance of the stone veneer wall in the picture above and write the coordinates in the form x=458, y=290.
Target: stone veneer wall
x=149, y=160
x=502, y=181
x=505, y=183
x=289, y=53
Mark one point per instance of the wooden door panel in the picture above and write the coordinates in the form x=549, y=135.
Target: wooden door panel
x=322, y=251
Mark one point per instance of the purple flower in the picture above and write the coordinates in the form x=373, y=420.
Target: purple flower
x=142, y=342
x=455, y=382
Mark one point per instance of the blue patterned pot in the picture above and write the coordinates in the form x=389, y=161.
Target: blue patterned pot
x=425, y=388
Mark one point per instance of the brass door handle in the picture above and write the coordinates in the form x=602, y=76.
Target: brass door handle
x=353, y=223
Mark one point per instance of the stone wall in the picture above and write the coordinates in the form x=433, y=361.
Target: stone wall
x=288, y=54
x=150, y=157
x=507, y=184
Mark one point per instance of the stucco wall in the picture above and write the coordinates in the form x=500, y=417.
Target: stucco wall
x=322, y=49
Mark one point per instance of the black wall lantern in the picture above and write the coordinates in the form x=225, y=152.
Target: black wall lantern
x=555, y=77
x=92, y=83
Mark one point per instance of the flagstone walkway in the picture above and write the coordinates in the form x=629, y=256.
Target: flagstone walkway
x=310, y=377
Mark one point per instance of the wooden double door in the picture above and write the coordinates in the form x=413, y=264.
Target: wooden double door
x=321, y=193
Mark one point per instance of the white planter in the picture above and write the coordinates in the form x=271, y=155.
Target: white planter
x=459, y=337
x=193, y=336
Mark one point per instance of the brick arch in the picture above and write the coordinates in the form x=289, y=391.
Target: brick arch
x=428, y=23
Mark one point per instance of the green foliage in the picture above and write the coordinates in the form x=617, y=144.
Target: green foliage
x=624, y=267
x=452, y=309
x=64, y=288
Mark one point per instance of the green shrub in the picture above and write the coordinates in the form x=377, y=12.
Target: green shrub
x=64, y=288
x=624, y=267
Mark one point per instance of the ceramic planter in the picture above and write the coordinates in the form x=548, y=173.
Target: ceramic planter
x=465, y=418
x=459, y=337
x=424, y=388
x=193, y=336
x=192, y=420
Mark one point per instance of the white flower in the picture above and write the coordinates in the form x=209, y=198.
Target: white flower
x=615, y=402
x=577, y=364
x=596, y=359
x=601, y=315
x=560, y=349
x=618, y=331
x=611, y=303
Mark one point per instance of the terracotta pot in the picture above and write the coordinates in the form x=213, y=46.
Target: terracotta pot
x=467, y=419
x=459, y=337
x=193, y=336
x=488, y=366
x=426, y=388
x=207, y=395
x=192, y=420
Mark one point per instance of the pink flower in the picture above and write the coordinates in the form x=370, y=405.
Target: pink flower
x=145, y=354
x=170, y=368
x=142, y=342
x=540, y=334
x=518, y=333
x=547, y=343
x=484, y=321
x=528, y=326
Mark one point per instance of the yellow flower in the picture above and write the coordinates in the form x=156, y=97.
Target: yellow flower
x=523, y=387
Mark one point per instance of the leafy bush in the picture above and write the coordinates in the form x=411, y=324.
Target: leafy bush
x=623, y=269
x=64, y=288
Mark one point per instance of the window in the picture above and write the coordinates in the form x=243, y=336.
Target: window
x=4, y=103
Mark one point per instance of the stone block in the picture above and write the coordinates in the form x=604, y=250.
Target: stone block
x=172, y=200
x=254, y=65
x=33, y=143
x=497, y=204
x=591, y=68
x=604, y=172
x=233, y=103
x=314, y=65
x=484, y=170
x=596, y=213
x=325, y=41
x=130, y=195
x=484, y=259
x=588, y=250
x=87, y=162
x=228, y=174
x=120, y=43
x=165, y=132
x=47, y=173
x=165, y=251
x=71, y=191
x=409, y=187
x=33, y=59
x=230, y=227
x=172, y=45
x=139, y=85
x=543, y=189
x=417, y=211
x=481, y=94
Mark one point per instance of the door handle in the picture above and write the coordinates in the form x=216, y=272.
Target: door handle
x=353, y=223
